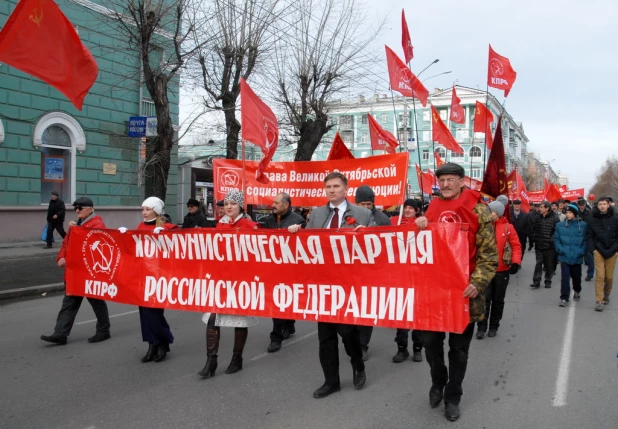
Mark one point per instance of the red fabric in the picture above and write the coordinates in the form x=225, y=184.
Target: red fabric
x=272, y=273
x=380, y=138
x=552, y=194
x=404, y=220
x=572, y=194
x=403, y=80
x=94, y=223
x=482, y=118
x=439, y=161
x=495, y=179
x=242, y=223
x=517, y=190
x=150, y=227
x=504, y=230
x=443, y=135
x=457, y=112
x=425, y=179
x=458, y=211
x=39, y=40
x=473, y=184
x=406, y=41
x=339, y=150
x=259, y=126
x=500, y=74
x=489, y=141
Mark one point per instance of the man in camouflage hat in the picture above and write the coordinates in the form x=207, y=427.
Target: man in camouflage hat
x=462, y=205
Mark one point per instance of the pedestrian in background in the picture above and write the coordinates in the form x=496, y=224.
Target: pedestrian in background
x=522, y=223
x=570, y=243
x=543, y=231
x=584, y=214
x=55, y=218
x=86, y=217
x=195, y=218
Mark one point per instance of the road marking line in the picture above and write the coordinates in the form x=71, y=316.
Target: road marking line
x=286, y=344
x=562, y=382
x=114, y=315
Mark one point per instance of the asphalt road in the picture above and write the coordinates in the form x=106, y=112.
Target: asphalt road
x=29, y=266
x=526, y=377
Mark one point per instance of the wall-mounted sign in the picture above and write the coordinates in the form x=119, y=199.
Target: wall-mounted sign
x=53, y=168
x=142, y=126
x=109, y=168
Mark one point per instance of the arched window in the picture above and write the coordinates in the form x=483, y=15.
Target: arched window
x=475, y=152
x=59, y=136
x=441, y=152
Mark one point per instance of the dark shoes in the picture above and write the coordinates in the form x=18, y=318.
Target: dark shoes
x=49, y=246
x=326, y=389
x=235, y=364
x=535, y=286
x=597, y=307
x=547, y=285
x=451, y=411
x=274, y=347
x=287, y=333
x=151, y=353
x=480, y=334
x=605, y=299
x=359, y=379
x=365, y=355
x=576, y=296
x=210, y=367
x=492, y=333
x=56, y=339
x=588, y=278
x=97, y=338
x=402, y=354
x=435, y=396
x=417, y=356
x=162, y=350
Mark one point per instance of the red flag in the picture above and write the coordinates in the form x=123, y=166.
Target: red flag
x=426, y=180
x=403, y=80
x=39, y=40
x=406, y=42
x=500, y=74
x=457, y=111
x=482, y=118
x=517, y=190
x=380, y=138
x=489, y=142
x=441, y=134
x=552, y=194
x=439, y=161
x=473, y=184
x=495, y=179
x=339, y=150
x=259, y=126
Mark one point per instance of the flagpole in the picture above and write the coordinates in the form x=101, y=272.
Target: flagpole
x=486, y=118
x=396, y=122
x=418, y=148
x=244, y=177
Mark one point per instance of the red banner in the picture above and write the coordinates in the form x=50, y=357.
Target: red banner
x=536, y=196
x=304, y=180
x=572, y=194
x=385, y=276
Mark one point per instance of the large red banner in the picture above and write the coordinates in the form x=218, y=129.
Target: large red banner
x=383, y=276
x=572, y=194
x=304, y=181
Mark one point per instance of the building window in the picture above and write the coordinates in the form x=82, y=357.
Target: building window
x=475, y=173
x=426, y=116
x=364, y=138
x=345, y=122
x=364, y=119
x=475, y=152
x=441, y=153
x=443, y=114
x=384, y=118
x=456, y=155
x=425, y=154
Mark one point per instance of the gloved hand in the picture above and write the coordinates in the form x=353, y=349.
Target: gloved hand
x=514, y=268
x=122, y=229
x=158, y=229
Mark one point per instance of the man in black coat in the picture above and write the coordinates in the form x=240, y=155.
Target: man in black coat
x=584, y=213
x=281, y=218
x=602, y=237
x=543, y=231
x=195, y=218
x=55, y=218
x=523, y=225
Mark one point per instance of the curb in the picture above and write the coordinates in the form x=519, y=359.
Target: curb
x=30, y=291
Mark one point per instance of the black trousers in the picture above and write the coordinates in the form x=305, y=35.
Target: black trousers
x=69, y=309
x=494, y=301
x=401, y=338
x=329, y=349
x=569, y=272
x=544, y=262
x=280, y=325
x=59, y=226
x=450, y=379
x=365, y=335
x=155, y=329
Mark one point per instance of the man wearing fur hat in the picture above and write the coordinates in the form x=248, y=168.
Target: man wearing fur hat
x=195, y=218
x=466, y=205
x=570, y=243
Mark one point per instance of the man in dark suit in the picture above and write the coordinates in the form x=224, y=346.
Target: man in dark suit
x=334, y=215
x=522, y=223
x=55, y=218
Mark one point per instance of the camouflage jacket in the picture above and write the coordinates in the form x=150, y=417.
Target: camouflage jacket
x=486, y=261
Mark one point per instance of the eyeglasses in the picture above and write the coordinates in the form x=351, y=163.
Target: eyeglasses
x=80, y=208
x=449, y=180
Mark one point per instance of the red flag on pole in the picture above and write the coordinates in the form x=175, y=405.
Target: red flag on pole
x=500, y=74
x=339, y=150
x=406, y=41
x=439, y=161
x=495, y=178
x=39, y=40
x=552, y=194
x=259, y=126
x=457, y=111
x=482, y=118
x=380, y=138
x=426, y=179
x=517, y=190
x=403, y=80
x=441, y=134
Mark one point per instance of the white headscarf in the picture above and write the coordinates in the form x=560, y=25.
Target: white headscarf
x=154, y=203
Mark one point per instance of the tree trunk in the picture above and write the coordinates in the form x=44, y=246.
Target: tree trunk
x=232, y=127
x=311, y=133
x=159, y=163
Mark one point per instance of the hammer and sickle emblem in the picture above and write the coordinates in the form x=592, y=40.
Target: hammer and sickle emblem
x=37, y=14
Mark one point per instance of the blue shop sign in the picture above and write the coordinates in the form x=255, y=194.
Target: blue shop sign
x=137, y=126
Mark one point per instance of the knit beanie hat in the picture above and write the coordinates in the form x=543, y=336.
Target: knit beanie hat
x=497, y=207
x=154, y=203
x=573, y=209
x=412, y=203
x=363, y=194
x=503, y=199
x=236, y=196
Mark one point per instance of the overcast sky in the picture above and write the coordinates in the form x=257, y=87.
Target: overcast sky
x=565, y=53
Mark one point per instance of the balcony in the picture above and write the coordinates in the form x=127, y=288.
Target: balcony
x=148, y=107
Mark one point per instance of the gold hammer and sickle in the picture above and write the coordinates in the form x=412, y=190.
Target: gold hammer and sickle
x=37, y=15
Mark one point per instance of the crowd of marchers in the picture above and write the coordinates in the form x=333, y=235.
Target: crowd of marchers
x=569, y=233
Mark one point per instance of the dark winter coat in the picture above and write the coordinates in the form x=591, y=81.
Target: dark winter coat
x=570, y=241
x=197, y=220
x=602, y=232
x=380, y=218
x=585, y=215
x=543, y=230
x=282, y=222
x=523, y=226
x=56, y=207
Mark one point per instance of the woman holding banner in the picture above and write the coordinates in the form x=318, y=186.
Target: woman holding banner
x=155, y=329
x=234, y=219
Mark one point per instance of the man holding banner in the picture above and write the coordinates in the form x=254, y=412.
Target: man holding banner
x=338, y=213
x=460, y=205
